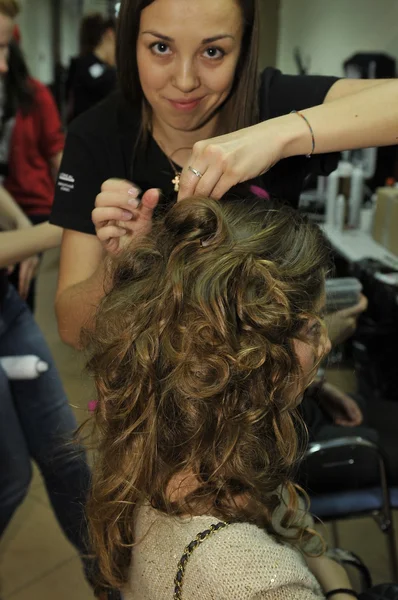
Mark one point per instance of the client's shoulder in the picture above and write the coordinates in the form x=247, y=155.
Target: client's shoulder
x=239, y=561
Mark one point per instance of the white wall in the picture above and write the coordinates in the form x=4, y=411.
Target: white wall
x=329, y=31
x=95, y=6
x=71, y=12
x=269, y=27
x=35, y=22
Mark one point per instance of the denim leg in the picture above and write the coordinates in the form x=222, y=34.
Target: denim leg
x=15, y=464
x=46, y=422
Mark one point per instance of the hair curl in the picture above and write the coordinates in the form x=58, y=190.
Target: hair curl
x=193, y=360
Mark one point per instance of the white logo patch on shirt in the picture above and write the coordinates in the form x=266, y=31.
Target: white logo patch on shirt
x=96, y=70
x=66, y=183
x=66, y=177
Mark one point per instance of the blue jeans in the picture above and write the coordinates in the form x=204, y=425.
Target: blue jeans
x=37, y=423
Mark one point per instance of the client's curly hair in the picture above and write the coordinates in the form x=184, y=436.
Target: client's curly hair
x=193, y=361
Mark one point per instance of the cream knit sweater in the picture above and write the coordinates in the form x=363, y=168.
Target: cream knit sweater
x=240, y=562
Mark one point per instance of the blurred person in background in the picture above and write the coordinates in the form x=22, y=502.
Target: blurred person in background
x=92, y=75
x=31, y=137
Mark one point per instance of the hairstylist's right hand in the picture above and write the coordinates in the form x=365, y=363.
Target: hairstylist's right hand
x=119, y=215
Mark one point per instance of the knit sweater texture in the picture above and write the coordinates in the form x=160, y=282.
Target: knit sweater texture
x=239, y=562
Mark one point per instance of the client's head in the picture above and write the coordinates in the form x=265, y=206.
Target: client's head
x=202, y=350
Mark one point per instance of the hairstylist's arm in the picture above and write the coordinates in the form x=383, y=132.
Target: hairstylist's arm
x=81, y=283
x=351, y=117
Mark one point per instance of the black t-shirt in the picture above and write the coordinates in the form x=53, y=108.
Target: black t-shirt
x=100, y=145
x=90, y=80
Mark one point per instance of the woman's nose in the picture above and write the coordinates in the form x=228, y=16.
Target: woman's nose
x=185, y=77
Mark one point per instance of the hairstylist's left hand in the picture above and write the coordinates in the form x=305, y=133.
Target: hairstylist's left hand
x=116, y=221
x=230, y=159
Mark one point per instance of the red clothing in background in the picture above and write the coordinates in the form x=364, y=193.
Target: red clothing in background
x=37, y=136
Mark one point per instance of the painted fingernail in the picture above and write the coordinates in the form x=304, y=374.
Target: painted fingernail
x=134, y=191
x=134, y=202
x=127, y=215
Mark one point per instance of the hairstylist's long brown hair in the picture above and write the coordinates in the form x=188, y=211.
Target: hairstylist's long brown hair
x=193, y=360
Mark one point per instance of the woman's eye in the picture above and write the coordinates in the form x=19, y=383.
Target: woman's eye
x=160, y=48
x=214, y=53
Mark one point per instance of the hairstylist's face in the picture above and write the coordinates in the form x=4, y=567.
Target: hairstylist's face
x=311, y=349
x=187, y=52
x=6, y=30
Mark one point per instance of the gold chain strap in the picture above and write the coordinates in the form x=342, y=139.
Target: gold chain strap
x=201, y=537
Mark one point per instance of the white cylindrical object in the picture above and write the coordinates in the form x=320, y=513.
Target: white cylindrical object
x=345, y=169
x=24, y=367
x=320, y=188
x=366, y=219
x=331, y=195
x=356, y=198
x=340, y=212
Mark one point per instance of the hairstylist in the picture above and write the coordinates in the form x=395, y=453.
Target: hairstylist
x=31, y=139
x=188, y=74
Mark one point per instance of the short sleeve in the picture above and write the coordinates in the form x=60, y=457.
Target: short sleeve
x=98, y=147
x=79, y=181
x=280, y=94
x=52, y=138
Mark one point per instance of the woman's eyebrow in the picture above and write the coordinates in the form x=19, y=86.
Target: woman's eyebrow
x=209, y=40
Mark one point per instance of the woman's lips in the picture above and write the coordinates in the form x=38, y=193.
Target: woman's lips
x=185, y=105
